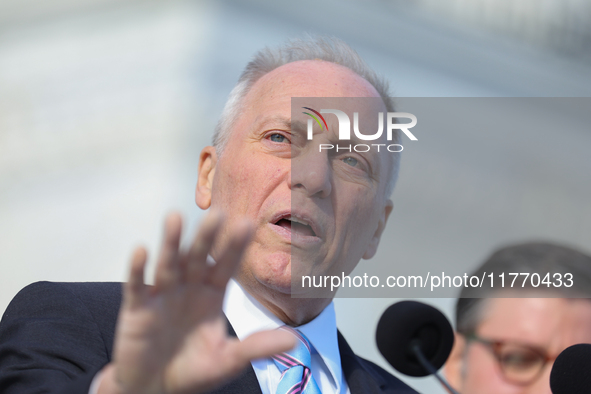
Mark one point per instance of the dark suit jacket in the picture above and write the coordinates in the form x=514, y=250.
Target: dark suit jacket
x=54, y=337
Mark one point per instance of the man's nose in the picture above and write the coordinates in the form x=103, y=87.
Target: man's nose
x=311, y=174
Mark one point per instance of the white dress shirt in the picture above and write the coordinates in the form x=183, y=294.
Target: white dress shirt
x=248, y=316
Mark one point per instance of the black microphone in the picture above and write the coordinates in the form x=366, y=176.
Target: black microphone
x=571, y=372
x=416, y=339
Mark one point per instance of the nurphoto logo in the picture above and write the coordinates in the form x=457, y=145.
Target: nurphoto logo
x=345, y=129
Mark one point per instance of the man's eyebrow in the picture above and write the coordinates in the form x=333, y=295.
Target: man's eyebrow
x=294, y=126
x=277, y=121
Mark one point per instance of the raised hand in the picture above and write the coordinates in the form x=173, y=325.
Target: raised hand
x=171, y=338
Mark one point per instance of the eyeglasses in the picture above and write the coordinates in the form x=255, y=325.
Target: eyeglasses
x=519, y=363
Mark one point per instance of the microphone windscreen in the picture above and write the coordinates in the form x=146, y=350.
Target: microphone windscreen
x=571, y=373
x=409, y=322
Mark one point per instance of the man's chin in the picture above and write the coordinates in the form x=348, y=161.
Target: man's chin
x=295, y=287
x=282, y=274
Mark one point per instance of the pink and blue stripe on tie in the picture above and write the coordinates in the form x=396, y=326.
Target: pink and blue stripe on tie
x=296, y=375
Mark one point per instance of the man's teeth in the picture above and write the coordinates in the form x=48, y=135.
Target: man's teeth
x=292, y=219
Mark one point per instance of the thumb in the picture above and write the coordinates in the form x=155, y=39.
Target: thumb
x=265, y=344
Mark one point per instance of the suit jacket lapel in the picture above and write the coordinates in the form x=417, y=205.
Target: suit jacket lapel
x=359, y=378
x=246, y=383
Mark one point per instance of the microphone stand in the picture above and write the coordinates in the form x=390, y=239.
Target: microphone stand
x=416, y=349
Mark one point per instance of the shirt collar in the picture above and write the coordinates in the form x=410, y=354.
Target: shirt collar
x=322, y=334
x=245, y=313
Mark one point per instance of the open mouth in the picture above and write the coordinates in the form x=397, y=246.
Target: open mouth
x=297, y=226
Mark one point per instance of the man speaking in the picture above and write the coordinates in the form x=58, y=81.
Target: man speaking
x=173, y=337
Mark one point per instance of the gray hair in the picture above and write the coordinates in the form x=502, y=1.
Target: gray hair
x=531, y=257
x=319, y=48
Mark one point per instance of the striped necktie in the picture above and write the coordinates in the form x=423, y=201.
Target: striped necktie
x=296, y=375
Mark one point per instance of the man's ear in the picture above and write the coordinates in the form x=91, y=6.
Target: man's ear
x=375, y=241
x=454, y=366
x=207, y=162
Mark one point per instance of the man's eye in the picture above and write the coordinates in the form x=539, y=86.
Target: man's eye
x=276, y=137
x=351, y=161
x=521, y=360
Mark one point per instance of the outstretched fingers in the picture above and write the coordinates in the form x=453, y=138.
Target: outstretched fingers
x=168, y=272
x=232, y=253
x=196, y=260
x=135, y=288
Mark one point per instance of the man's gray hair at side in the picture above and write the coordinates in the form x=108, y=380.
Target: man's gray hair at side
x=320, y=48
